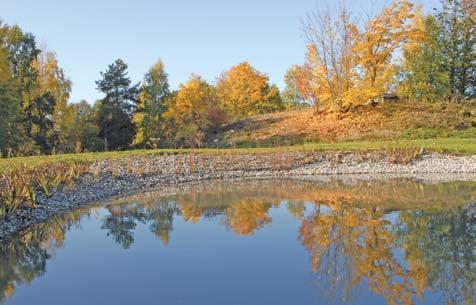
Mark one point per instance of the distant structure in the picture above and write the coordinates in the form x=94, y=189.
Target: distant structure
x=389, y=97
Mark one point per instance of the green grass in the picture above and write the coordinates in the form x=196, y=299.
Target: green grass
x=444, y=145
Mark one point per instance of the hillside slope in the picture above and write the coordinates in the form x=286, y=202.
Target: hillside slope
x=385, y=121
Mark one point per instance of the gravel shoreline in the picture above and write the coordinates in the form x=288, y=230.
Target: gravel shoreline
x=122, y=177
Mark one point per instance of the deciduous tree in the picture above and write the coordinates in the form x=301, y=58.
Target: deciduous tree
x=328, y=75
x=421, y=75
x=244, y=91
x=377, y=44
x=192, y=113
x=347, y=66
x=40, y=113
x=21, y=51
x=51, y=78
x=151, y=105
x=81, y=134
x=457, y=24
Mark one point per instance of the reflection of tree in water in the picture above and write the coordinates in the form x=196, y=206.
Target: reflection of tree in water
x=121, y=223
x=21, y=263
x=353, y=245
x=23, y=258
x=124, y=218
x=349, y=236
x=440, y=250
x=246, y=216
x=350, y=246
x=163, y=216
x=296, y=208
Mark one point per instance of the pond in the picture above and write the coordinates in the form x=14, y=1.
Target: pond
x=254, y=242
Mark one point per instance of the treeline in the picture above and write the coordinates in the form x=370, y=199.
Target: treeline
x=150, y=115
x=423, y=58
x=36, y=117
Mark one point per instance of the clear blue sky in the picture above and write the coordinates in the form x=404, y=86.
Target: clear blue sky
x=190, y=36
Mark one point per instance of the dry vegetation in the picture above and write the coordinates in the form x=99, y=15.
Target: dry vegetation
x=20, y=185
x=392, y=120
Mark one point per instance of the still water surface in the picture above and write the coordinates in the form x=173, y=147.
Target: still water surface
x=254, y=242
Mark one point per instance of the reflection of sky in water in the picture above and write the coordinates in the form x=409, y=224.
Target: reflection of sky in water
x=242, y=247
x=392, y=217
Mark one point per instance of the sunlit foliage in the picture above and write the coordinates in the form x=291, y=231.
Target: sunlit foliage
x=347, y=65
x=193, y=112
x=244, y=91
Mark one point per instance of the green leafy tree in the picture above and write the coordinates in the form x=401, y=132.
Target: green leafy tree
x=115, y=116
x=151, y=106
x=422, y=76
x=457, y=23
x=21, y=51
x=81, y=134
x=442, y=65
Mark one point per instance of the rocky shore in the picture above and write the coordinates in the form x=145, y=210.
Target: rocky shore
x=122, y=177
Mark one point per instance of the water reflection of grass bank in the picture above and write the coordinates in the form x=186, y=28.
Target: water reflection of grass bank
x=389, y=193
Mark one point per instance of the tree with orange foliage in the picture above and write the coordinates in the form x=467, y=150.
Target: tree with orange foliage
x=193, y=112
x=245, y=217
x=244, y=91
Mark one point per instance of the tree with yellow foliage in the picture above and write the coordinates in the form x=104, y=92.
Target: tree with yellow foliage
x=363, y=239
x=51, y=78
x=244, y=91
x=193, y=112
x=329, y=70
x=247, y=216
x=346, y=66
x=376, y=46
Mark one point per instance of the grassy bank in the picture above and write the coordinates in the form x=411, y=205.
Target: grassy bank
x=22, y=178
x=442, y=145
